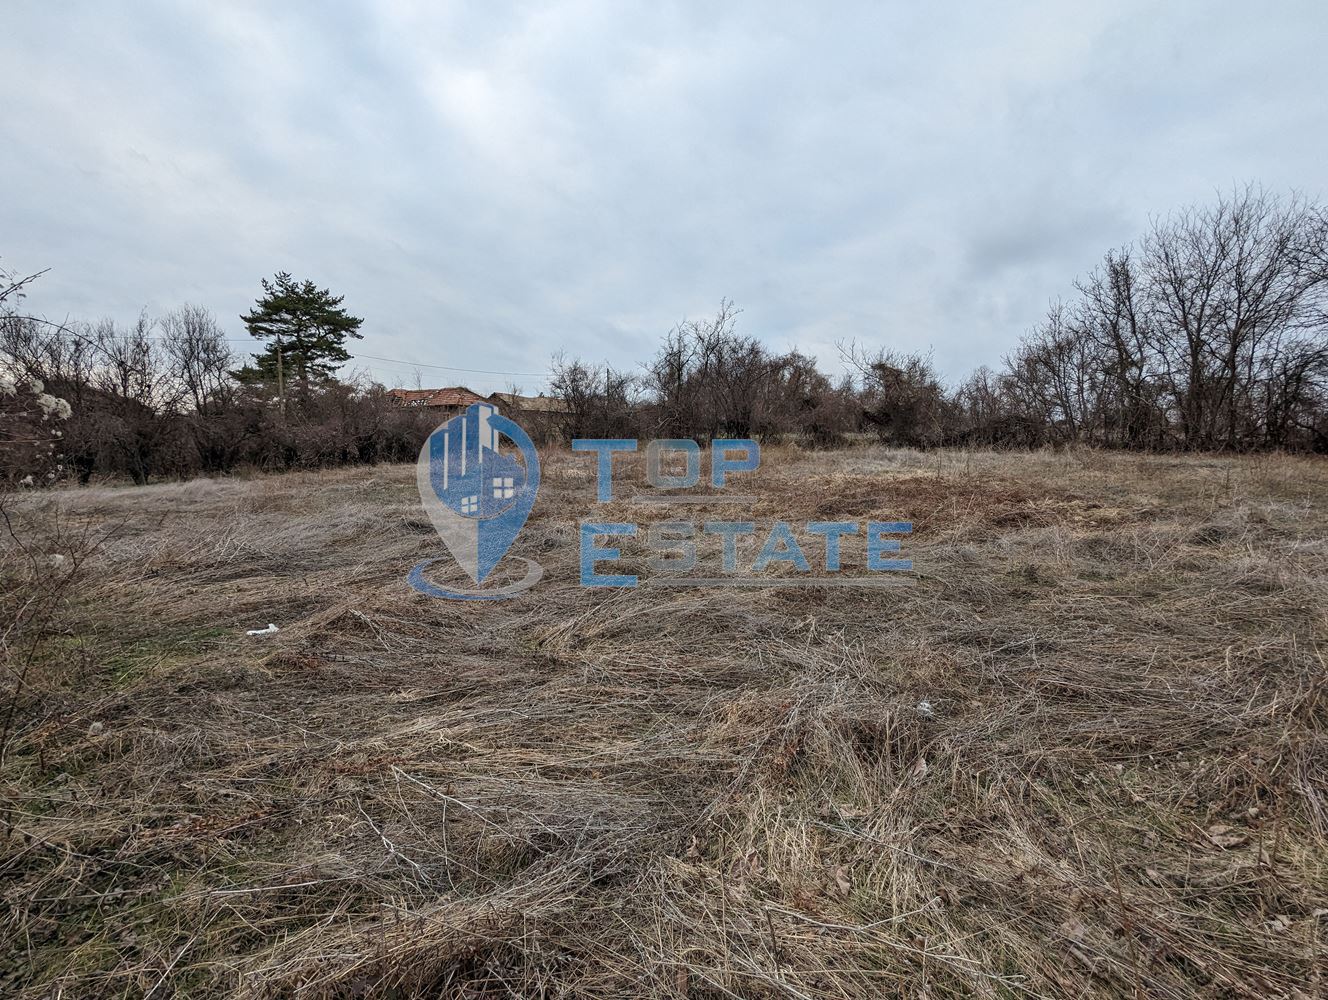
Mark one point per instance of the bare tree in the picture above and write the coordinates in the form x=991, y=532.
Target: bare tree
x=1114, y=313
x=1228, y=284
x=597, y=399
x=901, y=395
x=198, y=355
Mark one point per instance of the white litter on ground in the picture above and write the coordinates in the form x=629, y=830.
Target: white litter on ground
x=263, y=631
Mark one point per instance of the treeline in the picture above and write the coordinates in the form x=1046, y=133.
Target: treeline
x=162, y=399
x=1209, y=333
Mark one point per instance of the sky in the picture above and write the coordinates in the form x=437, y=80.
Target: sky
x=488, y=185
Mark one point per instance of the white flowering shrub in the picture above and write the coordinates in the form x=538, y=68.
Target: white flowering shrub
x=30, y=433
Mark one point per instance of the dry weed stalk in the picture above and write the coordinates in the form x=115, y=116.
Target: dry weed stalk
x=1116, y=787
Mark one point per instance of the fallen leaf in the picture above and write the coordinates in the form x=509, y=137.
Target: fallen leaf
x=842, y=882
x=1074, y=929
x=1226, y=837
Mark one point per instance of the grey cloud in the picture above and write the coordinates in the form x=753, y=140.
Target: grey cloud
x=490, y=185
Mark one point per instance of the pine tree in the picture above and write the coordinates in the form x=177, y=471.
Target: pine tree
x=306, y=329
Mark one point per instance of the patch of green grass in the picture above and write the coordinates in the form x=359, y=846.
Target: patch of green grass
x=161, y=653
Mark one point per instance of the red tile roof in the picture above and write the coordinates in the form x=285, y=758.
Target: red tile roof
x=457, y=396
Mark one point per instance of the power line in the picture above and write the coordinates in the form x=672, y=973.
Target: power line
x=368, y=357
x=449, y=368
x=420, y=364
x=390, y=372
x=394, y=371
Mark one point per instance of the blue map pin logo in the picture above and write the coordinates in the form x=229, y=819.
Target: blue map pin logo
x=477, y=496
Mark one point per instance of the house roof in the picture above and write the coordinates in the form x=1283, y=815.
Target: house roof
x=451, y=396
x=531, y=404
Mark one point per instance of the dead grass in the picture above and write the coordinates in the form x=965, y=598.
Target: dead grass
x=1084, y=754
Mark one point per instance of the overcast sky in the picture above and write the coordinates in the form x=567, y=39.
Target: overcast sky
x=487, y=186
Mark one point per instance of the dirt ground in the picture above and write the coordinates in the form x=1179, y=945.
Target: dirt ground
x=1083, y=753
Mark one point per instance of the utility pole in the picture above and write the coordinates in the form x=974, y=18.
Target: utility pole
x=281, y=385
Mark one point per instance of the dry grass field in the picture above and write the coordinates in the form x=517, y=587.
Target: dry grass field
x=1084, y=754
